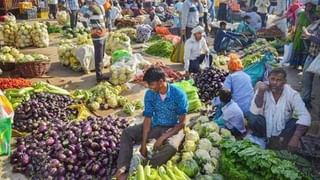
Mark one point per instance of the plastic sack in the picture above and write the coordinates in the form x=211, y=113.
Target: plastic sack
x=314, y=67
x=177, y=55
x=63, y=17
x=9, y=31
x=122, y=72
x=206, y=63
x=23, y=37
x=10, y=18
x=120, y=54
x=143, y=33
x=40, y=35
x=287, y=53
x=117, y=41
x=85, y=55
x=5, y=136
x=257, y=70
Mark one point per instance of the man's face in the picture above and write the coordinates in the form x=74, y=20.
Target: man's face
x=155, y=86
x=309, y=7
x=247, y=20
x=223, y=27
x=198, y=36
x=276, y=82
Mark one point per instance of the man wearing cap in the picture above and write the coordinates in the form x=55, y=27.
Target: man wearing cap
x=195, y=51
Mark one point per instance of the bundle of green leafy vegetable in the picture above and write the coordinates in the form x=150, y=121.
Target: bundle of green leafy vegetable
x=244, y=160
x=250, y=59
x=260, y=46
x=160, y=48
x=192, y=94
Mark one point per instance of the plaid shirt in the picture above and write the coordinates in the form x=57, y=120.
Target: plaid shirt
x=314, y=48
x=72, y=5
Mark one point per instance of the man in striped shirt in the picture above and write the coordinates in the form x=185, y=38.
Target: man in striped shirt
x=98, y=35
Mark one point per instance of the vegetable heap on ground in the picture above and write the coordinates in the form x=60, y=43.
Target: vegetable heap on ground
x=70, y=33
x=9, y=83
x=192, y=94
x=9, y=30
x=117, y=41
x=9, y=54
x=243, y=160
x=70, y=150
x=209, y=82
x=219, y=60
x=67, y=55
x=260, y=46
x=160, y=48
x=23, y=36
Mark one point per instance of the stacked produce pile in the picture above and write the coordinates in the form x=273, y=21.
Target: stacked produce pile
x=250, y=59
x=73, y=33
x=160, y=48
x=9, y=83
x=23, y=36
x=209, y=82
x=104, y=96
x=73, y=150
x=84, y=39
x=260, y=46
x=67, y=55
x=126, y=22
x=9, y=30
x=219, y=60
x=192, y=93
x=271, y=32
x=117, y=41
x=122, y=72
x=18, y=96
x=43, y=107
x=171, y=74
x=243, y=160
x=62, y=18
x=130, y=32
x=40, y=35
x=9, y=54
x=53, y=28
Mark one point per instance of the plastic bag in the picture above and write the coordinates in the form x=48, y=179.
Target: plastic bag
x=5, y=136
x=206, y=63
x=143, y=33
x=122, y=72
x=257, y=70
x=63, y=17
x=314, y=67
x=40, y=35
x=287, y=53
x=120, y=54
x=117, y=41
x=23, y=38
x=177, y=55
x=85, y=55
x=10, y=18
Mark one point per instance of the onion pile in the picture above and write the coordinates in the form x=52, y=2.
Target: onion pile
x=42, y=107
x=79, y=150
x=209, y=82
x=40, y=35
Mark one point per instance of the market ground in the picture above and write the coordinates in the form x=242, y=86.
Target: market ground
x=65, y=77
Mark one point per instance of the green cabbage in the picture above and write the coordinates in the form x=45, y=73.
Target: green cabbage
x=189, y=167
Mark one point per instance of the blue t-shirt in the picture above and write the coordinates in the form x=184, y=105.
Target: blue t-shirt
x=166, y=112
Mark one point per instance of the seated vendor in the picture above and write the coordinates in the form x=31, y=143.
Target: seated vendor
x=164, y=114
x=195, y=51
x=245, y=28
x=232, y=116
x=278, y=112
x=223, y=38
x=154, y=20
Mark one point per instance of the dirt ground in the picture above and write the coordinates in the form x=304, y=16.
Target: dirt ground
x=65, y=77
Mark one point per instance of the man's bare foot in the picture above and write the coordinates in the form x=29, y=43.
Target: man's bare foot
x=121, y=174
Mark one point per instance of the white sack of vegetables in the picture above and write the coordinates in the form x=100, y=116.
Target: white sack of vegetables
x=9, y=30
x=63, y=17
x=23, y=36
x=40, y=35
x=122, y=72
x=67, y=56
x=117, y=41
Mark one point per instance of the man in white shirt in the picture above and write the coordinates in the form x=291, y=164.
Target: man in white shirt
x=272, y=112
x=263, y=6
x=53, y=8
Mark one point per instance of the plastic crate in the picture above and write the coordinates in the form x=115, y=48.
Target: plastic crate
x=43, y=15
x=29, y=14
x=23, y=6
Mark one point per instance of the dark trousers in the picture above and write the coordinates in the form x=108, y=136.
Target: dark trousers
x=194, y=66
x=133, y=135
x=257, y=123
x=263, y=19
x=53, y=8
x=99, y=48
x=73, y=18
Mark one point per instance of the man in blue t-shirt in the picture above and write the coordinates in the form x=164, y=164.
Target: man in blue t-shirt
x=165, y=109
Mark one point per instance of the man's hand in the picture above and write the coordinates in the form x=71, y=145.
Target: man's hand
x=262, y=87
x=158, y=143
x=294, y=143
x=187, y=75
x=143, y=151
x=306, y=34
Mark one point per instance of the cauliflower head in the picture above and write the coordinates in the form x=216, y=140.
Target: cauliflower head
x=205, y=144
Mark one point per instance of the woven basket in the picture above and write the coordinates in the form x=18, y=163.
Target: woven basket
x=7, y=66
x=33, y=69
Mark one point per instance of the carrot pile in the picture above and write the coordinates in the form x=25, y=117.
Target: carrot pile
x=7, y=83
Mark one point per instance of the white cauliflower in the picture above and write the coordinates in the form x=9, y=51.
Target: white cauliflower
x=189, y=146
x=214, y=161
x=192, y=136
x=215, y=138
x=187, y=155
x=208, y=168
x=205, y=144
x=225, y=133
x=202, y=155
x=214, y=152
